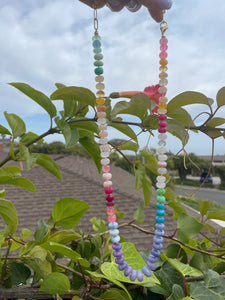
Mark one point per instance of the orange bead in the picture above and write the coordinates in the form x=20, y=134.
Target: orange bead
x=163, y=62
x=100, y=100
x=162, y=105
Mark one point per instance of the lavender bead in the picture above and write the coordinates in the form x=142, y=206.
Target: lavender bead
x=119, y=260
x=114, y=232
x=156, y=253
x=128, y=271
x=152, y=259
x=151, y=266
x=146, y=271
x=159, y=232
x=158, y=239
x=159, y=226
x=117, y=253
x=157, y=246
x=116, y=246
x=133, y=275
x=115, y=239
x=123, y=266
x=139, y=276
x=165, y=4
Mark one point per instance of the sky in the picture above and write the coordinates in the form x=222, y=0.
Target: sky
x=49, y=41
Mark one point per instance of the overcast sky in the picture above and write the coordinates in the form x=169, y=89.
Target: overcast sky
x=48, y=41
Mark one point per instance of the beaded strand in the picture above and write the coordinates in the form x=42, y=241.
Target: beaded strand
x=105, y=161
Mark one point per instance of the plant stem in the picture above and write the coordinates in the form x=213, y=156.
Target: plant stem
x=4, y=267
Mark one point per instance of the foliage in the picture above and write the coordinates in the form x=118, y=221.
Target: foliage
x=88, y=268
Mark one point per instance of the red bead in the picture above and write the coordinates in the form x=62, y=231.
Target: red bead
x=109, y=198
x=162, y=130
x=162, y=117
x=162, y=124
x=109, y=190
x=110, y=204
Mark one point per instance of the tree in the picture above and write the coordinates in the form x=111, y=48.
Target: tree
x=189, y=267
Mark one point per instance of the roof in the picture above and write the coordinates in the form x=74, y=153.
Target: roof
x=82, y=181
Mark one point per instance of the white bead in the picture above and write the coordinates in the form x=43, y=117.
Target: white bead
x=163, y=99
x=101, y=120
x=162, y=143
x=162, y=157
x=105, y=161
x=105, y=154
x=161, y=150
x=106, y=176
x=161, y=178
x=160, y=185
x=105, y=148
x=102, y=127
x=162, y=136
x=163, y=81
x=162, y=164
x=103, y=141
x=162, y=171
x=101, y=114
x=162, y=111
x=162, y=89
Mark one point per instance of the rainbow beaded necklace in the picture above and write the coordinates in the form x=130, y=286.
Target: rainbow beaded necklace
x=105, y=152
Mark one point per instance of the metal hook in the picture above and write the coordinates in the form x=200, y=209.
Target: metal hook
x=163, y=27
x=95, y=20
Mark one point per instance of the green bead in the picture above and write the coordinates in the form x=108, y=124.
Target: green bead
x=160, y=199
x=97, y=50
x=98, y=63
x=96, y=37
x=160, y=191
x=98, y=56
x=98, y=71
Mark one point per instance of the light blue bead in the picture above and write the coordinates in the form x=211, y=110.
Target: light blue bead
x=115, y=239
x=146, y=271
x=157, y=246
x=96, y=44
x=160, y=212
x=158, y=239
x=139, y=276
x=159, y=219
x=113, y=225
x=156, y=253
x=159, y=232
x=114, y=232
x=133, y=275
x=160, y=205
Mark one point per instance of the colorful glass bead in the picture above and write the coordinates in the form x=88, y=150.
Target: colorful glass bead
x=115, y=239
x=107, y=183
x=101, y=108
x=98, y=71
x=152, y=258
x=133, y=275
x=160, y=199
x=159, y=226
x=123, y=266
x=97, y=50
x=102, y=114
x=127, y=271
x=96, y=44
x=111, y=211
x=109, y=198
x=117, y=253
x=100, y=86
x=103, y=141
x=162, y=111
x=98, y=63
x=163, y=81
x=114, y=232
x=103, y=155
x=139, y=276
x=101, y=120
x=99, y=78
x=96, y=37
x=163, y=61
x=159, y=232
x=105, y=161
x=108, y=190
x=163, y=54
x=119, y=260
x=158, y=239
x=160, y=205
x=162, y=90
x=111, y=219
x=109, y=204
x=159, y=219
x=162, y=105
x=151, y=266
x=157, y=246
x=100, y=93
x=146, y=271
x=160, y=213
x=163, y=75
x=106, y=168
x=100, y=100
x=116, y=246
x=98, y=56
x=160, y=191
x=155, y=253
x=162, y=123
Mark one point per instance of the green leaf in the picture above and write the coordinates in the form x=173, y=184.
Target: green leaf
x=147, y=189
x=21, y=182
x=213, y=133
x=180, y=115
x=55, y=283
x=68, y=211
x=59, y=248
x=49, y=164
x=71, y=135
x=177, y=294
x=215, y=122
x=128, y=145
x=9, y=215
x=29, y=136
x=204, y=206
x=19, y=273
x=41, y=267
x=218, y=215
x=11, y=171
x=177, y=129
x=139, y=215
x=212, y=288
x=134, y=259
x=93, y=149
x=187, y=98
x=175, y=251
x=98, y=224
x=139, y=172
x=86, y=125
x=37, y=96
x=220, y=97
x=79, y=94
x=24, y=153
x=64, y=236
x=2, y=193
x=151, y=158
x=188, y=227
x=113, y=294
x=38, y=252
x=201, y=261
x=4, y=130
x=124, y=128
x=16, y=124
x=26, y=233
x=151, y=122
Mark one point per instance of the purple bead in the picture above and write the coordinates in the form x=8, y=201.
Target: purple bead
x=155, y=253
x=165, y=4
x=159, y=226
x=152, y=259
x=158, y=239
x=139, y=276
x=128, y=271
x=123, y=266
x=116, y=246
x=146, y=271
x=117, y=253
x=151, y=266
x=110, y=204
x=119, y=260
x=159, y=232
x=157, y=246
x=133, y=275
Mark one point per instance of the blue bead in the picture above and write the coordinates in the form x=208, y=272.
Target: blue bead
x=123, y=266
x=115, y=239
x=96, y=44
x=165, y=4
x=139, y=276
x=158, y=239
x=159, y=226
x=114, y=232
x=152, y=258
x=160, y=205
x=113, y=225
x=159, y=219
x=160, y=212
x=146, y=271
x=133, y=275
x=128, y=271
x=156, y=253
x=151, y=266
x=119, y=260
x=116, y=246
x=117, y=253
x=157, y=246
x=159, y=232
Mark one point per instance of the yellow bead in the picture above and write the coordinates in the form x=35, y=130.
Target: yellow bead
x=163, y=68
x=163, y=62
x=100, y=100
x=100, y=93
x=99, y=78
x=162, y=105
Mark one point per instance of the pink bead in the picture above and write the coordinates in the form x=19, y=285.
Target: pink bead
x=109, y=198
x=108, y=190
x=162, y=124
x=163, y=41
x=103, y=134
x=110, y=211
x=106, y=168
x=162, y=164
x=112, y=219
x=102, y=127
x=107, y=184
x=107, y=176
x=162, y=130
x=162, y=117
x=101, y=114
x=110, y=204
x=163, y=47
x=163, y=54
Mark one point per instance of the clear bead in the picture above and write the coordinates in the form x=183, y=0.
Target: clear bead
x=160, y=185
x=99, y=78
x=162, y=157
x=163, y=81
x=105, y=161
x=100, y=86
x=102, y=127
x=163, y=75
x=161, y=178
x=162, y=111
x=162, y=89
x=101, y=114
x=103, y=141
x=105, y=154
x=161, y=150
x=163, y=99
x=162, y=143
x=162, y=136
x=162, y=171
x=105, y=148
x=101, y=120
